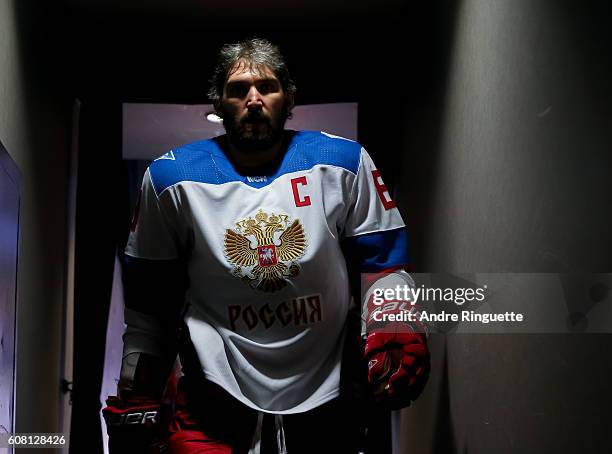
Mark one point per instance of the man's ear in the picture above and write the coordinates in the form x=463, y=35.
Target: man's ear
x=290, y=102
x=217, y=107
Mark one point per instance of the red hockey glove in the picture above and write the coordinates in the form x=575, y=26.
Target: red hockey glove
x=133, y=426
x=397, y=355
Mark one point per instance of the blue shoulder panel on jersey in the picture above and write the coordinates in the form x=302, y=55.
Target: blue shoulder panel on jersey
x=191, y=162
x=378, y=251
x=315, y=148
x=205, y=162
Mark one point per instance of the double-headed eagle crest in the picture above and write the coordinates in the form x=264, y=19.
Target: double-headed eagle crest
x=264, y=250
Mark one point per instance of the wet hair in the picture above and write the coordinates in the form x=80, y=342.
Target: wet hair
x=254, y=52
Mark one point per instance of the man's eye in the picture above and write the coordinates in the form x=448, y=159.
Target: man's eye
x=266, y=87
x=236, y=91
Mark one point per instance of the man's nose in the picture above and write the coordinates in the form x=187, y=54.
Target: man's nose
x=254, y=101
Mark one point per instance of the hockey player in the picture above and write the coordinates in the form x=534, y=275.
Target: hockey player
x=244, y=243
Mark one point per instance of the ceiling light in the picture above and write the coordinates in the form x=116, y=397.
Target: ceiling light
x=214, y=118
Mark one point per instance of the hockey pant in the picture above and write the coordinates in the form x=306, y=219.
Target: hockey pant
x=207, y=420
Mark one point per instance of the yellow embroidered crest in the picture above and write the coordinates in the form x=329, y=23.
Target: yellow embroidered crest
x=264, y=250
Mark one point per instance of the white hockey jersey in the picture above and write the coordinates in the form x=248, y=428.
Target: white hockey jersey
x=269, y=292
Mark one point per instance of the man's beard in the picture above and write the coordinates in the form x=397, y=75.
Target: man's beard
x=262, y=135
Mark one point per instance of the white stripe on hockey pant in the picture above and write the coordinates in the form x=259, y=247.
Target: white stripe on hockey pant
x=256, y=443
x=280, y=434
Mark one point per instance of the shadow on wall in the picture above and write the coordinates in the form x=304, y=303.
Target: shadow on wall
x=517, y=179
x=444, y=434
x=37, y=110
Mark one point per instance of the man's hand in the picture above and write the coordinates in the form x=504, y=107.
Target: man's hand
x=397, y=355
x=133, y=426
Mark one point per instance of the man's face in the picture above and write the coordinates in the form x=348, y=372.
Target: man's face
x=254, y=107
